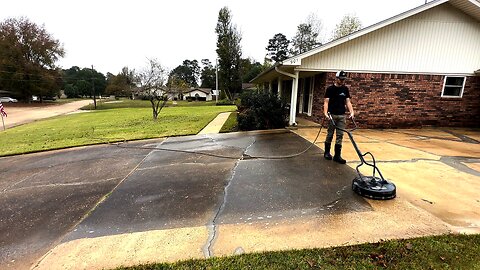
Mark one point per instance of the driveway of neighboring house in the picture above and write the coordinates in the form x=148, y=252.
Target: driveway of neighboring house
x=167, y=206
x=19, y=114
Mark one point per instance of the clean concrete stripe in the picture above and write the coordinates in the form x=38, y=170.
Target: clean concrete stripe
x=216, y=124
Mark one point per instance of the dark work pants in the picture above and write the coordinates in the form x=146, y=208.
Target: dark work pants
x=340, y=122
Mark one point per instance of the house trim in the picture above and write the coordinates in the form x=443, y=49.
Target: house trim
x=391, y=72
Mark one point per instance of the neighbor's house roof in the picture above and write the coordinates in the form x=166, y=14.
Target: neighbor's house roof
x=247, y=86
x=204, y=90
x=440, y=37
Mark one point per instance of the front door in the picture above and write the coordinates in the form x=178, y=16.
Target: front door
x=306, y=94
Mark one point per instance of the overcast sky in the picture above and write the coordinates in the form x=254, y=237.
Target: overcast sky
x=112, y=34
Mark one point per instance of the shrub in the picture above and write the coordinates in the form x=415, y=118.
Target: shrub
x=224, y=102
x=259, y=110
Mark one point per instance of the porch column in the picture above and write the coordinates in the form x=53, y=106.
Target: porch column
x=270, y=87
x=293, y=100
x=280, y=87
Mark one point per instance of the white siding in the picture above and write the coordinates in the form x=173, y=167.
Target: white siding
x=440, y=40
x=200, y=94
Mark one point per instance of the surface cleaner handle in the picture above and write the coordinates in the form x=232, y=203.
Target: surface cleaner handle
x=333, y=122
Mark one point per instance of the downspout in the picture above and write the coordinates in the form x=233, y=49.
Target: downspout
x=293, y=99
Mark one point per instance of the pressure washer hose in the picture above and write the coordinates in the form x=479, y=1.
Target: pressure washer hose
x=244, y=156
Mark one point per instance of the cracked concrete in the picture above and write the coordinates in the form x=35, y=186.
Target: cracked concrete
x=212, y=227
x=52, y=191
x=177, y=206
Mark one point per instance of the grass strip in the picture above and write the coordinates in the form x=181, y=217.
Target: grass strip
x=433, y=252
x=231, y=125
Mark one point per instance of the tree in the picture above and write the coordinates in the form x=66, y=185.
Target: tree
x=177, y=86
x=78, y=82
x=277, y=49
x=305, y=39
x=150, y=81
x=208, y=75
x=120, y=84
x=250, y=69
x=317, y=26
x=27, y=59
x=229, y=53
x=188, y=72
x=348, y=25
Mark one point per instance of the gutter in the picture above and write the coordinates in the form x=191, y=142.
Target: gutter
x=285, y=73
x=277, y=69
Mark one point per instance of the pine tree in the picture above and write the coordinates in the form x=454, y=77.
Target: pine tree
x=277, y=49
x=229, y=53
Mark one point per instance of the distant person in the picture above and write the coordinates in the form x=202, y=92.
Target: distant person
x=337, y=97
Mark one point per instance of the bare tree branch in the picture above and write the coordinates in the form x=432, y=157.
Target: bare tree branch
x=151, y=85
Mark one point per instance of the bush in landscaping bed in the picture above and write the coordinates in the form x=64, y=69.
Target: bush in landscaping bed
x=259, y=110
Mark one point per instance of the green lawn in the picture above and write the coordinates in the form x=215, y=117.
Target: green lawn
x=93, y=127
x=231, y=125
x=128, y=103
x=437, y=252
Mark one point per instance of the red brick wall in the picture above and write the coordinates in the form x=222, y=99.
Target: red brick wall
x=403, y=100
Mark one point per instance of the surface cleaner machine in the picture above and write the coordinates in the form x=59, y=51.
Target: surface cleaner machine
x=373, y=187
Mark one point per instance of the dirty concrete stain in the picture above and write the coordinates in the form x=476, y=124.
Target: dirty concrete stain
x=127, y=249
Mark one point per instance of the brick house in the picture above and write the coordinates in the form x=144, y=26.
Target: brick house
x=418, y=68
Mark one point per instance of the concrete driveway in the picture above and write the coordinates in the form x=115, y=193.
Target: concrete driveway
x=166, y=206
x=19, y=114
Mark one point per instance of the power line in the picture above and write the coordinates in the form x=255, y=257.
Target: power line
x=65, y=78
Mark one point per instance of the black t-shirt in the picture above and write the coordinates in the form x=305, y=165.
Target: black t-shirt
x=337, y=99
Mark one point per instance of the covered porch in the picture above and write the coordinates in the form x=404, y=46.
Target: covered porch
x=295, y=87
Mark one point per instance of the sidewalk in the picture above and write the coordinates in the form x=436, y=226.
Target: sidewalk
x=216, y=125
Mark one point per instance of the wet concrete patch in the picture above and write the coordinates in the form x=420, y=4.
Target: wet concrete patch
x=44, y=195
x=168, y=190
x=296, y=187
x=175, y=189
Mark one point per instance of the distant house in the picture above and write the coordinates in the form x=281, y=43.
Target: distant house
x=418, y=68
x=248, y=86
x=203, y=94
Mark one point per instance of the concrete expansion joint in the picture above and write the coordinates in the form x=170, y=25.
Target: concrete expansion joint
x=462, y=137
x=458, y=163
x=61, y=238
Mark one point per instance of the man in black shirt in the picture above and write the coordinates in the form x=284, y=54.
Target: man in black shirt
x=337, y=97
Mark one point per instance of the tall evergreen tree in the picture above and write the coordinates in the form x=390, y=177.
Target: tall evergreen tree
x=305, y=39
x=229, y=53
x=277, y=49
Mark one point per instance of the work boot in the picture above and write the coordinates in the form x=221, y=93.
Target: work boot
x=327, y=155
x=338, y=154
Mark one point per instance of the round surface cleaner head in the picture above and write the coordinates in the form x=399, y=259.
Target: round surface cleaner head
x=374, y=188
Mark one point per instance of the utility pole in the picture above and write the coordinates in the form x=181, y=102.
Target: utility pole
x=93, y=91
x=216, y=81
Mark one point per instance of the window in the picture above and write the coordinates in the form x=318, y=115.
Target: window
x=453, y=86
